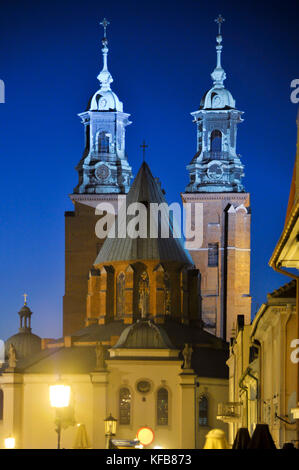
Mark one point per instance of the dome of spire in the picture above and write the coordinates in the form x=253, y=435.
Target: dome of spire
x=144, y=334
x=24, y=342
x=217, y=98
x=105, y=100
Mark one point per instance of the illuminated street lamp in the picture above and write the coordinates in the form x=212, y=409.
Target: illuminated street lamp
x=9, y=442
x=59, y=399
x=110, y=428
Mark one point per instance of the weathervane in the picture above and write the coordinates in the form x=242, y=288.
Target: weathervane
x=143, y=146
x=105, y=23
x=219, y=20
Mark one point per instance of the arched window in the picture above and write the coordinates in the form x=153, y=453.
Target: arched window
x=120, y=294
x=167, y=294
x=124, y=406
x=203, y=411
x=143, y=293
x=103, y=142
x=213, y=254
x=1, y=404
x=216, y=141
x=162, y=407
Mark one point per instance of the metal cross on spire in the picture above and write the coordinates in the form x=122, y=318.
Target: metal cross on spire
x=25, y=298
x=105, y=23
x=218, y=76
x=104, y=76
x=143, y=146
x=219, y=20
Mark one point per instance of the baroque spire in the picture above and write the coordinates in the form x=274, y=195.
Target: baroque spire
x=104, y=168
x=219, y=75
x=105, y=77
x=216, y=167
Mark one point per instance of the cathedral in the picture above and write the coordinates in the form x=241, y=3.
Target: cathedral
x=145, y=320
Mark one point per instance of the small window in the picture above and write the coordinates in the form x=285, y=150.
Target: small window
x=120, y=293
x=124, y=406
x=1, y=404
x=103, y=142
x=162, y=407
x=213, y=254
x=216, y=141
x=203, y=411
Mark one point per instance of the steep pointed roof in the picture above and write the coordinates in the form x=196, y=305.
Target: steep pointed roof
x=145, y=189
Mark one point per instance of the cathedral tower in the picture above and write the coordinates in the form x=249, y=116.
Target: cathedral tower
x=215, y=175
x=104, y=176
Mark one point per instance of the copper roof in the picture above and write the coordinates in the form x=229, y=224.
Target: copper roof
x=146, y=190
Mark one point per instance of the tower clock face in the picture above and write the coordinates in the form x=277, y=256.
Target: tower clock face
x=215, y=172
x=102, y=172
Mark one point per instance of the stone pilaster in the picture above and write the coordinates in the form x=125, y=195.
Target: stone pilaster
x=187, y=409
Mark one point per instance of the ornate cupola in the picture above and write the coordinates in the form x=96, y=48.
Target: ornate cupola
x=216, y=167
x=104, y=168
x=25, y=343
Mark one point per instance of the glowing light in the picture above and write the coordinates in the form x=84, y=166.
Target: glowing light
x=60, y=395
x=9, y=443
x=110, y=425
x=158, y=447
x=145, y=436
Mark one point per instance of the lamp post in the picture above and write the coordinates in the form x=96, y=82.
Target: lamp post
x=59, y=399
x=110, y=428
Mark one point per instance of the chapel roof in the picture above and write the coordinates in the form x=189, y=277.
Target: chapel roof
x=146, y=190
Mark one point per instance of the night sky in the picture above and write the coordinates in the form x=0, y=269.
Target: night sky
x=161, y=54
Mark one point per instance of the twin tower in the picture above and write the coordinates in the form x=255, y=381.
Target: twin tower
x=215, y=181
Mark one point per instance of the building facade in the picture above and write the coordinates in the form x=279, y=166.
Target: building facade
x=262, y=377
x=263, y=362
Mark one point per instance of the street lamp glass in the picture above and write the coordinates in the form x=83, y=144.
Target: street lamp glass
x=60, y=395
x=9, y=443
x=110, y=425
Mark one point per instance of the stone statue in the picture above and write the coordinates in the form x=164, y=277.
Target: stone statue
x=12, y=357
x=143, y=295
x=100, y=356
x=187, y=354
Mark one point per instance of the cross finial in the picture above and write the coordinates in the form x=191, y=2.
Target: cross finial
x=25, y=298
x=105, y=23
x=143, y=146
x=219, y=20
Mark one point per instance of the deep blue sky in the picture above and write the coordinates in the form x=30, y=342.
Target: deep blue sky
x=161, y=56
